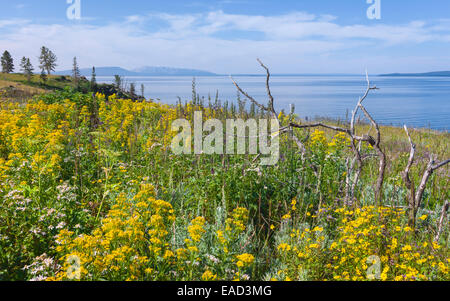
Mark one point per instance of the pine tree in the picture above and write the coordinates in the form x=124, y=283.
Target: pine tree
x=7, y=62
x=28, y=69
x=43, y=58
x=47, y=60
x=142, y=91
x=23, y=62
x=75, y=71
x=43, y=76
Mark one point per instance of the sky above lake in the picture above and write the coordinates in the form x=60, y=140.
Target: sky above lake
x=290, y=36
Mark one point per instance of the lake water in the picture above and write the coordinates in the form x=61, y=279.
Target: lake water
x=414, y=101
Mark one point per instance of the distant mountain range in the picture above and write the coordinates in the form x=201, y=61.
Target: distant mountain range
x=168, y=71
x=143, y=71
x=436, y=73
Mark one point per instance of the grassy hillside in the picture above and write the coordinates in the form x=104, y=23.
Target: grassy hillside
x=16, y=87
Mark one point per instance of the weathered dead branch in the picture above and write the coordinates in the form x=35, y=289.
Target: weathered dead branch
x=441, y=220
x=381, y=155
x=407, y=180
x=415, y=198
x=355, y=143
x=431, y=167
x=270, y=107
x=269, y=93
x=374, y=143
x=248, y=96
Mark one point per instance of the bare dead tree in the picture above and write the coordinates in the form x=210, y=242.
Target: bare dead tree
x=415, y=197
x=409, y=185
x=376, y=146
x=351, y=132
x=356, y=142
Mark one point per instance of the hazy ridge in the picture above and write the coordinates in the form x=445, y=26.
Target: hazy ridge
x=143, y=71
x=435, y=73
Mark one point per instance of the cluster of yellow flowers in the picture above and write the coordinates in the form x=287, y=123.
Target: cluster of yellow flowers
x=318, y=138
x=339, y=142
x=34, y=134
x=196, y=229
x=134, y=242
x=131, y=241
x=209, y=276
x=125, y=122
x=237, y=221
x=369, y=243
x=234, y=226
x=244, y=260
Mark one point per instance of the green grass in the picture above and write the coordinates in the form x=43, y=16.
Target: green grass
x=16, y=86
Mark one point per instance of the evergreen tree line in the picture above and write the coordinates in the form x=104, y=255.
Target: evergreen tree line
x=47, y=65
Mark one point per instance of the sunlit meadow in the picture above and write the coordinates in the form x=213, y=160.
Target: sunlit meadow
x=90, y=190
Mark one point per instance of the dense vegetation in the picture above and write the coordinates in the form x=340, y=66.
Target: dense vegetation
x=90, y=190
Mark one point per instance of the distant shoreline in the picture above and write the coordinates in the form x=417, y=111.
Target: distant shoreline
x=426, y=74
x=284, y=75
x=168, y=71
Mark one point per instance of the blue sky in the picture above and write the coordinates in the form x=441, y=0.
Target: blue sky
x=226, y=36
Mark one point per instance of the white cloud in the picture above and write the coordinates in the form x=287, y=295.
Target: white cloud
x=12, y=23
x=298, y=25
x=294, y=42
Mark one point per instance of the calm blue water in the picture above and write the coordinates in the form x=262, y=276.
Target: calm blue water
x=414, y=101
